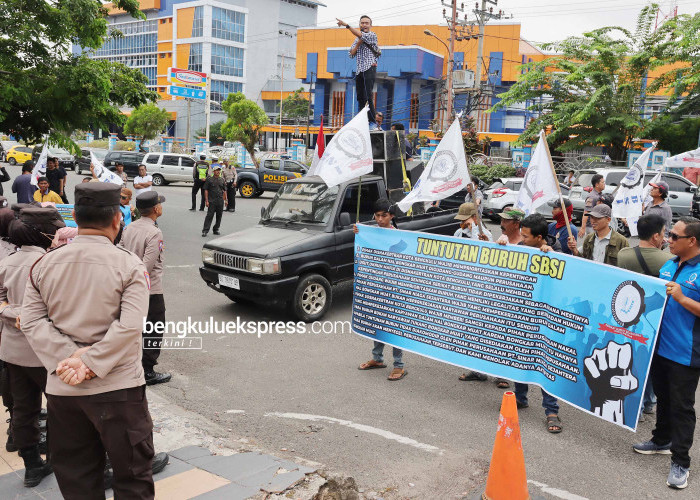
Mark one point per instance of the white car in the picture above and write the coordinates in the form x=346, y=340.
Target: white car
x=503, y=193
x=169, y=167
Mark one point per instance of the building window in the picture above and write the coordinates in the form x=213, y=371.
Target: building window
x=198, y=22
x=195, y=61
x=413, y=119
x=227, y=24
x=226, y=60
x=129, y=38
x=220, y=89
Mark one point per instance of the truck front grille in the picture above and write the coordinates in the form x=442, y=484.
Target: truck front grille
x=230, y=261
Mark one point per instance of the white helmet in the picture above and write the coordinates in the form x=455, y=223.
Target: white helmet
x=214, y=158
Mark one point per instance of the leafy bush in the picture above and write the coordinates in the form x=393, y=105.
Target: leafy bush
x=99, y=144
x=487, y=173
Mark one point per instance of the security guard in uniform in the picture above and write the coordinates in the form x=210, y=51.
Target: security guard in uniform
x=33, y=232
x=145, y=239
x=82, y=314
x=200, y=173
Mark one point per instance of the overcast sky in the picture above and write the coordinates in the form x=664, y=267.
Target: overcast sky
x=541, y=20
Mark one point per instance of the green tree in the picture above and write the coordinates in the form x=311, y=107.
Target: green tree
x=296, y=106
x=681, y=78
x=45, y=88
x=676, y=137
x=589, y=93
x=147, y=121
x=245, y=121
x=216, y=137
x=470, y=137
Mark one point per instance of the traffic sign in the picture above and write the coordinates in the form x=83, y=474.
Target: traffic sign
x=185, y=92
x=179, y=76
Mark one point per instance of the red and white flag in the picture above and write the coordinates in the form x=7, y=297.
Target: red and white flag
x=318, y=152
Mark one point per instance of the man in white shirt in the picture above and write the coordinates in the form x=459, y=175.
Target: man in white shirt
x=142, y=182
x=469, y=227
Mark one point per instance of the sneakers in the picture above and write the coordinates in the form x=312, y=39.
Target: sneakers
x=153, y=378
x=651, y=448
x=677, y=476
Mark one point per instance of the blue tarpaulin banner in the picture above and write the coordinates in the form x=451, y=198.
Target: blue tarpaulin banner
x=66, y=212
x=583, y=331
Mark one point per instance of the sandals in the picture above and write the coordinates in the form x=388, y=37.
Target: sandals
x=554, y=425
x=397, y=374
x=502, y=383
x=468, y=377
x=371, y=365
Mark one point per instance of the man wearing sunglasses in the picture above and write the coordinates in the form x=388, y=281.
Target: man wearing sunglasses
x=676, y=364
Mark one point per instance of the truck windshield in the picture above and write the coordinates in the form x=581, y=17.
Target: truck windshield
x=301, y=202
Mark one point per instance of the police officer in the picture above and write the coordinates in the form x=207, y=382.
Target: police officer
x=215, y=199
x=97, y=295
x=33, y=232
x=200, y=173
x=145, y=239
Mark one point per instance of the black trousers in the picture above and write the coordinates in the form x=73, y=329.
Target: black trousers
x=64, y=198
x=153, y=339
x=84, y=427
x=675, y=387
x=216, y=207
x=5, y=387
x=196, y=188
x=27, y=384
x=364, y=83
x=231, y=195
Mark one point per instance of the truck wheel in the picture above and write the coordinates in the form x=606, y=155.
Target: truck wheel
x=79, y=170
x=248, y=189
x=312, y=298
x=158, y=180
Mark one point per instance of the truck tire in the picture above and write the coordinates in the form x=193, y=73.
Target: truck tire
x=247, y=189
x=258, y=193
x=312, y=298
x=79, y=170
x=158, y=180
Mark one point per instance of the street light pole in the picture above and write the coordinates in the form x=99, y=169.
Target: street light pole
x=279, y=139
x=450, y=52
x=450, y=66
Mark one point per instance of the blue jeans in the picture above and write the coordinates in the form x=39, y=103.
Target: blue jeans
x=549, y=402
x=378, y=354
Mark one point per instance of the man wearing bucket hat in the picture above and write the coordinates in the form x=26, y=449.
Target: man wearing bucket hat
x=144, y=238
x=659, y=205
x=469, y=226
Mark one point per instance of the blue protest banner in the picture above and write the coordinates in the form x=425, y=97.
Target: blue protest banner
x=585, y=332
x=66, y=212
x=187, y=92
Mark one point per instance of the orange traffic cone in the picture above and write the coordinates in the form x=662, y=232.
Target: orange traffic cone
x=507, y=480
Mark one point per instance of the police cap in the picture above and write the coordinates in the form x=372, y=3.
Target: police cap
x=149, y=199
x=41, y=216
x=97, y=194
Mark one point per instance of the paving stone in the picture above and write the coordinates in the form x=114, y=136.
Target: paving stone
x=259, y=479
x=175, y=466
x=238, y=466
x=11, y=487
x=190, y=452
x=230, y=492
x=283, y=481
x=286, y=464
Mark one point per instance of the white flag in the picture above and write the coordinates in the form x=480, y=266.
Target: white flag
x=630, y=194
x=684, y=160
x=647, y=190
x=349, y=154
x=40, y=166
x=445, y=174
x=539, y=185
x=102, y=173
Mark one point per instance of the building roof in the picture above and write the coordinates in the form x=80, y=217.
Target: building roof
x=312, y=2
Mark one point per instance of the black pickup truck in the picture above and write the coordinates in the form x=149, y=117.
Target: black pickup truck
x=273, y=172
x=302, y=245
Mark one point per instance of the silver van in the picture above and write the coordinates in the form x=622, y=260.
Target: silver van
x=169, y=167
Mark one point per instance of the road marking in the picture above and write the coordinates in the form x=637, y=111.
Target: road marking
x=555, y=491
x=359, y=427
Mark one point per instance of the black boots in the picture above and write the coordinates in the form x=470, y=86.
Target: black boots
x=35, y=469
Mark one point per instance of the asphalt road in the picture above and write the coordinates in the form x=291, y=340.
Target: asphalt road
x=427, y=436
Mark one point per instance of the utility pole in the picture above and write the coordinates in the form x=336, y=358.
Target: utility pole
x=483, y=16
x=207, y=108
x=189, y=133
x=279, y=139
x=453, y=23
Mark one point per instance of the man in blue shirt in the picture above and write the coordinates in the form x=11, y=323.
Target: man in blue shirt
x=557, y=229
x=676, y=364
x=22, y=184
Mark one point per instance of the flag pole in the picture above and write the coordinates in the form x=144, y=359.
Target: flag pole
x=359, y=196
x=556, y=182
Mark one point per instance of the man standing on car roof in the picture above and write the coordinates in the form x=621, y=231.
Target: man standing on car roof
x=200, y=173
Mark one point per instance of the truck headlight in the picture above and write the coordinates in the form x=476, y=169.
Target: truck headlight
x=264, y=266
x=207, y=255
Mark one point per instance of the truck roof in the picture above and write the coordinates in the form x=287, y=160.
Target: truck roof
x=315, y=179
